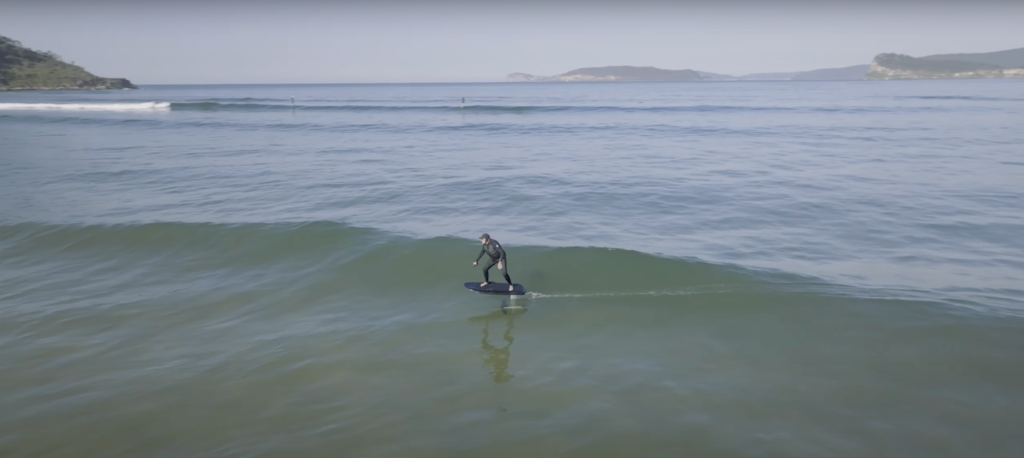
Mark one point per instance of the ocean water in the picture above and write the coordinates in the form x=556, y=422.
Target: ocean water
x=735, y=269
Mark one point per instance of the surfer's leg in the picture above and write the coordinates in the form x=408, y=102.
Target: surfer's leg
x=504, y=271
x=487, y=267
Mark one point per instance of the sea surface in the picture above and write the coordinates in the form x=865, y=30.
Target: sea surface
x=722, y=269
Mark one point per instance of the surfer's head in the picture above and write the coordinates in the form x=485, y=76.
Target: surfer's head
x=484, y=238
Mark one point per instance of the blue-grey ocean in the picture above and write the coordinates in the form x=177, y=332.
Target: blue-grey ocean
x=722, y=269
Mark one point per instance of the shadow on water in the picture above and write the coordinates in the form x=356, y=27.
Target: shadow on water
x=496, y=359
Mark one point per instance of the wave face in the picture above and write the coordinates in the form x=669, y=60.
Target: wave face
x=374, y=263
x=357, y=260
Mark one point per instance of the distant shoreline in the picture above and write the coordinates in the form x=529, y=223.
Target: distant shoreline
x=481, y=83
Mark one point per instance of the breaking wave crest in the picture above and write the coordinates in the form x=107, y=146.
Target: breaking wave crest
x=87, y=106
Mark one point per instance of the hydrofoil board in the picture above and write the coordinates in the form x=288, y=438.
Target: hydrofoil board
x=496, y=288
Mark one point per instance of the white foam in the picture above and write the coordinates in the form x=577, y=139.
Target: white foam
x=87, y=106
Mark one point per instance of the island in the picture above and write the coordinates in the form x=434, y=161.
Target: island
x=24, y=69
x=625, y=73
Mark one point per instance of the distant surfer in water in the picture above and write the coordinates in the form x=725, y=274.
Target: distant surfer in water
x=497, y=254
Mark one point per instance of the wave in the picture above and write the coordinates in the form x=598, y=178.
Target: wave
x=500, y=109
x=326, y=258
x=87, y=106
x=358, y=260
x=566, y=126
x=247, y=105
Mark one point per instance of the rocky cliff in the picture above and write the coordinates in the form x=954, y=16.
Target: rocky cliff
x=23, y=69
x=899, y=66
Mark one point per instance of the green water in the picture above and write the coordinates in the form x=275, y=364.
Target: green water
x=296, y=340
x=714, y=270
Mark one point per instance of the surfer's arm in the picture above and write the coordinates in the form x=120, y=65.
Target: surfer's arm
x=479, y=255
x=502, y=251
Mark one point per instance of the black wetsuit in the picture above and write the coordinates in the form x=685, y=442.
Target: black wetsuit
x=497, y=253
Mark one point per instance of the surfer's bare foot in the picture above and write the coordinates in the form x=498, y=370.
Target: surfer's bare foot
x=510, y=287
x=484, y=284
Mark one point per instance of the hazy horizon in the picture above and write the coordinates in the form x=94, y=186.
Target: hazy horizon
x=454, y=41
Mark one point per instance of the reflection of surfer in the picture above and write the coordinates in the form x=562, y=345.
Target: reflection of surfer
x=497, y=358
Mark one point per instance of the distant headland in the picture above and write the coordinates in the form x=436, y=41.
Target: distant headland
x=24, y=69
x=888, y=66
x=987, y=65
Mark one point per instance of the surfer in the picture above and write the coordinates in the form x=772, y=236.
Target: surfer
x=497, y=254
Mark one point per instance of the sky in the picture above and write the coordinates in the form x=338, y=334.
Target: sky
x=394, y=41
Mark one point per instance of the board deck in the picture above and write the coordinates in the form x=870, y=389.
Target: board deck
x=497, y=288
